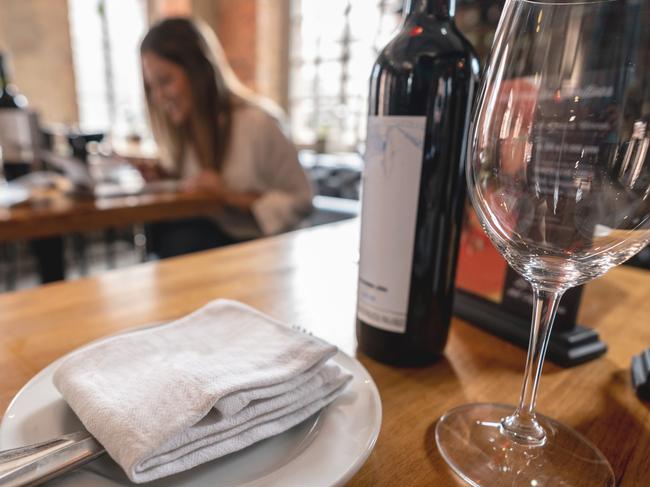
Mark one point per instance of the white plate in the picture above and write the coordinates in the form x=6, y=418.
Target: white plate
x=12, y=194
x=326, y=449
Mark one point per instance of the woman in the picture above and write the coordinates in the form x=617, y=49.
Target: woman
x=215, y=135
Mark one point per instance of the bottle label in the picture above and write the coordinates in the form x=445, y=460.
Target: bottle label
x=16, y=135
x=391, y=185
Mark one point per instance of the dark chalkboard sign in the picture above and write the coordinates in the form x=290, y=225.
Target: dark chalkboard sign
x=490, y=295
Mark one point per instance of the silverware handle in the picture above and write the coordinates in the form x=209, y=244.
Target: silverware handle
x=35, y=464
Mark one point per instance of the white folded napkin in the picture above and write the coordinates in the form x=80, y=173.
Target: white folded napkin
x=165, y=399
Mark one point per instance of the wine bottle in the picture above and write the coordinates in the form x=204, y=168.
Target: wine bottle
x=413, y=190
x=16, y=127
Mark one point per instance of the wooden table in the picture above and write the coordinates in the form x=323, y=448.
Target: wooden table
x=63, y=215
x=309, y=278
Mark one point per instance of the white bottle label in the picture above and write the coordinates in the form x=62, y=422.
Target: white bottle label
x=391, y=185
x=16, y=135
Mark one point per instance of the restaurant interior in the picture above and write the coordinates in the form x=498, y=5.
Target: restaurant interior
x=77, y=65
x=93, y=246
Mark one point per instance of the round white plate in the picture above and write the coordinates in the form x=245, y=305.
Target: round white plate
x=12, y=194
x=326, y=449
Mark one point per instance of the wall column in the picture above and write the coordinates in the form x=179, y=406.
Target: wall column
x=36, y=33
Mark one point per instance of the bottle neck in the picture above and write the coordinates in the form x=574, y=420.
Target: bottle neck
x=441, y=9
x=3, y=74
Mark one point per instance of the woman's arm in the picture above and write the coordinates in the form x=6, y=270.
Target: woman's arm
x=210, y=181
x=287, y=197
x=263, y=158
x=149, y=168
x=241, y=201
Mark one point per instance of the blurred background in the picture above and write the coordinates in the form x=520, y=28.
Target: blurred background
x=77, y=64
x=77, y=60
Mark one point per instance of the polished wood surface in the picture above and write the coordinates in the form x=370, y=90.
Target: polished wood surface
x=62, y=215
x=309, y=278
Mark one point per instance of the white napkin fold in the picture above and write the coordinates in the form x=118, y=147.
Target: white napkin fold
x=165, y=399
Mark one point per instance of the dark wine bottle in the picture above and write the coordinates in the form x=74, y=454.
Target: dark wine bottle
x=8, y=96
x=16, y=127
x=421, y=91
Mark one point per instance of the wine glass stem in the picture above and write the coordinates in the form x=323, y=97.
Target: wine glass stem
x=522, y=425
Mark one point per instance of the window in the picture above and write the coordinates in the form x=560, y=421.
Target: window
x=106, y=36
x=334, y=45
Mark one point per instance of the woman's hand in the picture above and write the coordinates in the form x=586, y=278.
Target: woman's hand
x=207, y=181
x=212, y=182
x=149, y=169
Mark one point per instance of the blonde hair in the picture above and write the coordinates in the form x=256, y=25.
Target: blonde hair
x=216, y=92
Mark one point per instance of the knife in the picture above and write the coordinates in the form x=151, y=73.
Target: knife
x=38, y=463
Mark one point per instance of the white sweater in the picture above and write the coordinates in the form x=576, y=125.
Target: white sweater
x=260, y=159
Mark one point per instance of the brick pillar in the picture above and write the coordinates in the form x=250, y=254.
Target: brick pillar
x=169, y=8
x=273, y=27
x=236, y=28
x=255, y=37
x=36, y=33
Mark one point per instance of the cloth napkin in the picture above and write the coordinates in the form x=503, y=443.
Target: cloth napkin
x=165, y=399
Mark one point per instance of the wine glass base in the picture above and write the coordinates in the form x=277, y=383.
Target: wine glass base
x=471, y=441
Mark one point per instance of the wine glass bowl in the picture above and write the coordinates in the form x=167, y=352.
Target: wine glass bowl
x=559, y=176
x=560, y=211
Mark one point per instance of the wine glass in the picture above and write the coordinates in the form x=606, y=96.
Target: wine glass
x=559, y=176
